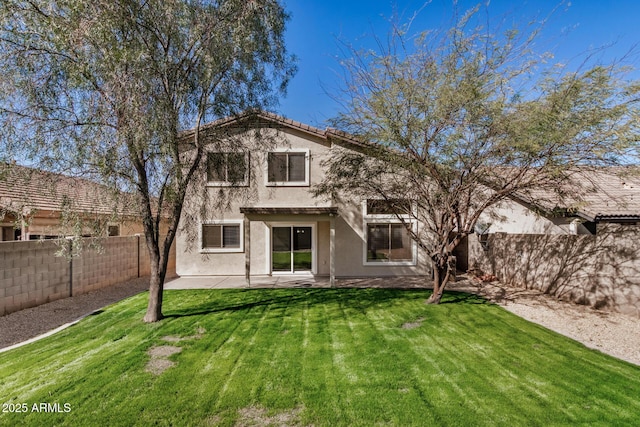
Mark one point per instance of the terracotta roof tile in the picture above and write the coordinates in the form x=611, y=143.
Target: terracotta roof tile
x=605, y=194
x=27, y=189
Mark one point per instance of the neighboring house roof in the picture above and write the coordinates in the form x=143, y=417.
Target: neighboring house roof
x=604, y=194
x=24, y=190
x=613, y=196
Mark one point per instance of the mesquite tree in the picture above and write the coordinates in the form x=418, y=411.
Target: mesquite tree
x=105, y=87
x=459, y=120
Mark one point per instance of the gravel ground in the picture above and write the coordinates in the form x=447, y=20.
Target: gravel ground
x=615, y=334
x=31, y=322
x=612, y=333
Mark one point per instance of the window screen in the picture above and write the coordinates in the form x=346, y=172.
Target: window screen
x=217, y=236
x=227, y=167
x=287, y=167
x=388, y=207
x=388, y=243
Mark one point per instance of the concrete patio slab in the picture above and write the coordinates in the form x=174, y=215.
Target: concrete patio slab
x=309, y=281
x=256, y=282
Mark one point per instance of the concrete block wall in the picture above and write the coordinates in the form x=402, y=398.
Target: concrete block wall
x=114, y=262
x=31, y=274
x=145, y=265
x=602, y=271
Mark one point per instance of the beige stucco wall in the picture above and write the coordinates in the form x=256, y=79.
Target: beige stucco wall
x=350, y=244
x=513, y=218
x=349, y=223
x=602, y=271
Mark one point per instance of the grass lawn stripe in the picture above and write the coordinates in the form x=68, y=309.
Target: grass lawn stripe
x=327, y=357
x=404, y=386
x=321, y=389
x=276, y=377
x=421, y=350
x=233, y=390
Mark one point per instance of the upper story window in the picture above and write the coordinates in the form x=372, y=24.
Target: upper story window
x=288, y=168
x=228, y=169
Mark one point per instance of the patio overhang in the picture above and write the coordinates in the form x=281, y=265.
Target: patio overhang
x=290, y=211
x=314, y=213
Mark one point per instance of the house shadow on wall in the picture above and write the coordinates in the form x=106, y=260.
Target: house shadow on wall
x=601, y=271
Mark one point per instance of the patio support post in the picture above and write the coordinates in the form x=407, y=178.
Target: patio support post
x=332, y=250
x=247, y=250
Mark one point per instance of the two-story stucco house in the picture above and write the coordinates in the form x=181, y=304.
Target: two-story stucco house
x=274, y=225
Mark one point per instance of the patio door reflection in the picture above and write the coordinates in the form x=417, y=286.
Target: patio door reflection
x=291, y=249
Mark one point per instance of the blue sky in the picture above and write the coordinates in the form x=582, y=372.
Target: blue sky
x=317, y=26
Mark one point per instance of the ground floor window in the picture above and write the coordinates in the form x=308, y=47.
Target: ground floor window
x=389, y=243
x=113, y=230
x=221, y=237
x=42, y=237
x=9, y=234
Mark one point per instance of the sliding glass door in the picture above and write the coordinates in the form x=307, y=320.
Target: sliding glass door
x=291, y=249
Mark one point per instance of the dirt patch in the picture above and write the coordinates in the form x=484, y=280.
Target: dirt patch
x=256, y=416
x=159, y=361
x=163, y=351
x=158, y=366
x=413, y=325
x=213, y=420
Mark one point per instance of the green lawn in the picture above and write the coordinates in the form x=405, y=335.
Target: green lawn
x=317, y=357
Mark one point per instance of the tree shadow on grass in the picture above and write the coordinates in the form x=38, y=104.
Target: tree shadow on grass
x=355, y=298
x=457, y=297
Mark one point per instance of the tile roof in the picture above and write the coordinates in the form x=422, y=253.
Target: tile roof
x=613, y=195
x=24, y=189
x=252, y=119
x=596, y=195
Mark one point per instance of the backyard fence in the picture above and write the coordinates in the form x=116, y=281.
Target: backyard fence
x=31, y=274
x=602, y=271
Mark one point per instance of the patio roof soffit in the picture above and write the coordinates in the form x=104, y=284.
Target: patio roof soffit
x=331, y=211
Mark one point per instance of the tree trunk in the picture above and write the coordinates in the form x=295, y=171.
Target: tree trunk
x=441, y=275
x=156, y=286
x=154, y=308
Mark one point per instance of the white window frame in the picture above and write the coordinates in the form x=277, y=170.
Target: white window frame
x=269, y=248
x=388, y=219
x=223, y=222
x=243, y=183
x=307, y=163
x=365, y=214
